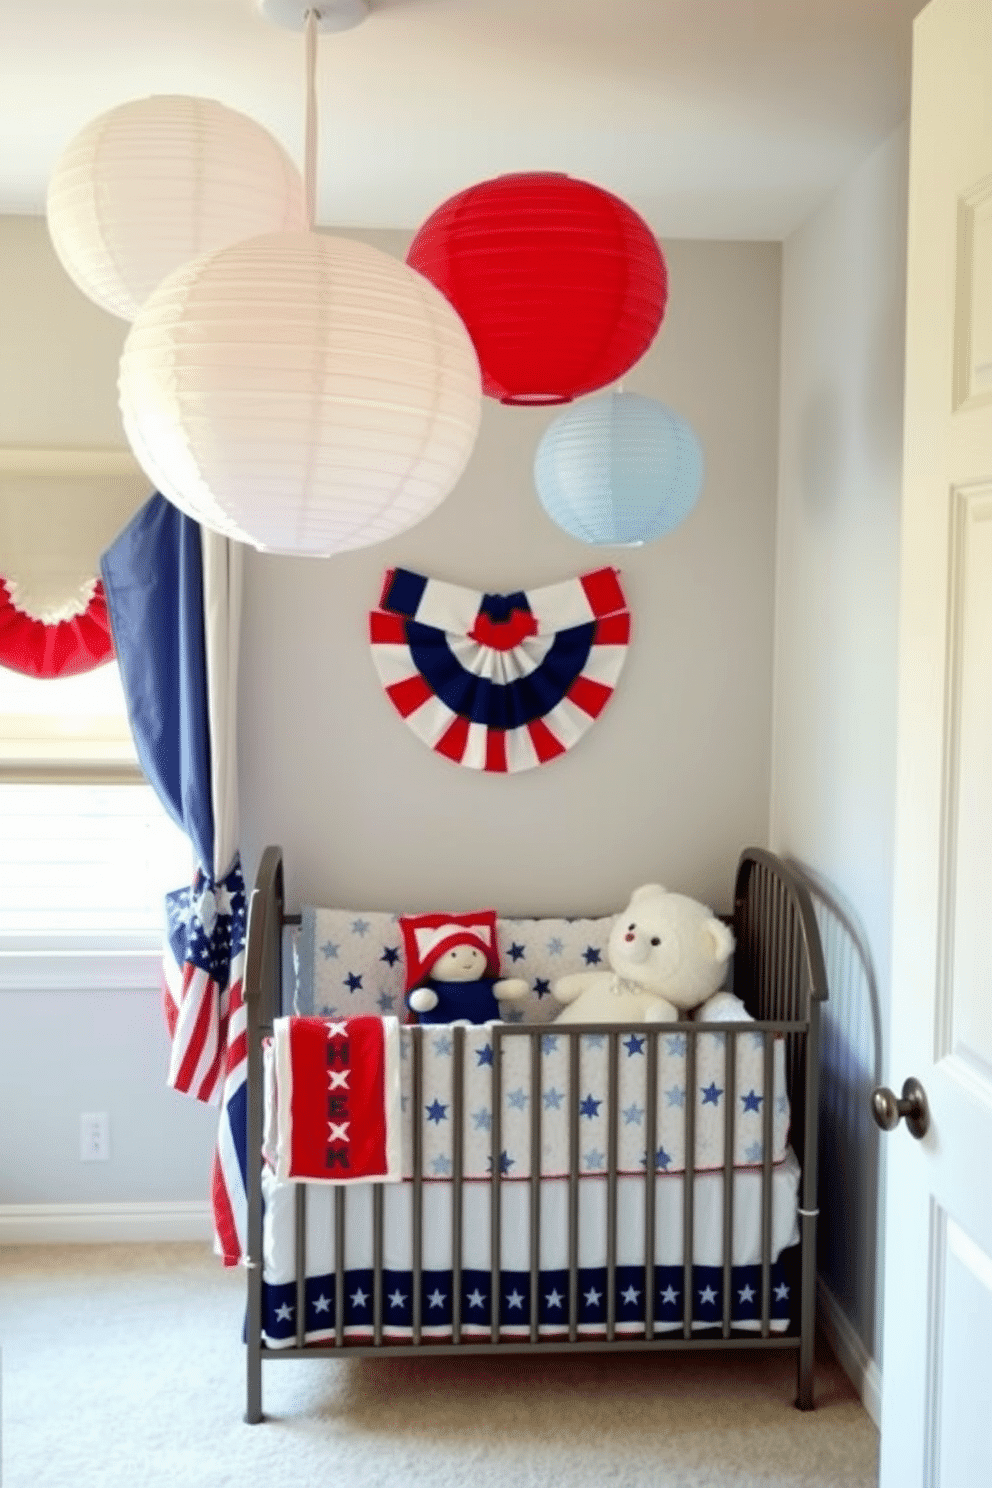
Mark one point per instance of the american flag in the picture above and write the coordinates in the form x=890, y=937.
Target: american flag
x=205, y=1013
x=173, y=599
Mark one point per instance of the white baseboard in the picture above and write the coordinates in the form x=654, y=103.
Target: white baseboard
x=860, y=1368
x=75, y=1224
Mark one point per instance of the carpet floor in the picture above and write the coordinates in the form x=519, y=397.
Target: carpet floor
x=122, y=1365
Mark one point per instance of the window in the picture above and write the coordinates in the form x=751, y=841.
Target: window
x=87, y=853
x=70, y=728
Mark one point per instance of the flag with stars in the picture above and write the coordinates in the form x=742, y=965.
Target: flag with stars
x=500, y=682
x=174, y=602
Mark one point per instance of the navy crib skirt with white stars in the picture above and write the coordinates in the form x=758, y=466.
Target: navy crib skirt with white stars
x=279, y=1298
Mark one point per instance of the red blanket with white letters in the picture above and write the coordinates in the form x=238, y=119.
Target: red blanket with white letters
x=337, y=1099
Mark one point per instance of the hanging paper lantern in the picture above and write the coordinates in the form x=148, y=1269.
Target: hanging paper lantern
x=562, y=286
x=302, y=393
x=157, y=182
x=619, y=468
x=500, y=682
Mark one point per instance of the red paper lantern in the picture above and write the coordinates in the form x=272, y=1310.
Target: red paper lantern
x=561, y=285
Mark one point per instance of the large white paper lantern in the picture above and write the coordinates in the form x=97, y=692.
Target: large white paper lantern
x=300, y=392
x=160, y=181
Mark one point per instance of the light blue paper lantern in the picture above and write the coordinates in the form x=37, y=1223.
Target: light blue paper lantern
x=618, y=468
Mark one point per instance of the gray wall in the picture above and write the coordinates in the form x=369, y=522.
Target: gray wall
x=673, y=778
x=669, y=783
x=63, y=1053
x=833, y=782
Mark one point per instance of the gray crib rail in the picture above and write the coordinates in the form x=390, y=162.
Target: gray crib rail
x=779, y=974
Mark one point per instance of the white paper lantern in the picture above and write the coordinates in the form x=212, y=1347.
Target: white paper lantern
x=158, y=182
x=302, y=393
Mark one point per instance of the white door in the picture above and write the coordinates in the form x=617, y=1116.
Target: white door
x=937, y=1350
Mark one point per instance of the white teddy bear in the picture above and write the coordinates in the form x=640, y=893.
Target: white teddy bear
x=667, y=954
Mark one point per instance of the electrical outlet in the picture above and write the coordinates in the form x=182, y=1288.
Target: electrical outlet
x=94, y=1136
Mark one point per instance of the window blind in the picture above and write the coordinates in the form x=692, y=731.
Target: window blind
x=86, y=866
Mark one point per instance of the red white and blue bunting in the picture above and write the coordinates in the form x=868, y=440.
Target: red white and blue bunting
x=500, y=682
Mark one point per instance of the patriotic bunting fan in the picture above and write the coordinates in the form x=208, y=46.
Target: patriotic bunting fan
x=500, y=682
x=58, y=511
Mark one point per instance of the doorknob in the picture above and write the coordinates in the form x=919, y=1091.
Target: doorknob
x=888, y=1111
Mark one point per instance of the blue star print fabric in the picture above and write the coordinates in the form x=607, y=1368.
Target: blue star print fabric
x=352, y=963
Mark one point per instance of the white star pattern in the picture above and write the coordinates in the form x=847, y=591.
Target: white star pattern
x=476, y=1299
x=284, y=1313
x=359, y=1298
x=397, y=1298
x=630, y=1296
x=707, y=1296
x=781, y=1292
x=669, y=1296
x=746, y=1294
x=322, y=1304
x=515, y=1299
x=436, y=1299
x=592, y=1297
x=554, y=1299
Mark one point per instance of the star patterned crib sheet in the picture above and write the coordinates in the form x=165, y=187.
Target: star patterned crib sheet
x=350, y=962
x=690, y=1087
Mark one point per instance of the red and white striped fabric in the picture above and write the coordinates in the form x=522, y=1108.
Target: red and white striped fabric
x=203, y=999
x=500, y=682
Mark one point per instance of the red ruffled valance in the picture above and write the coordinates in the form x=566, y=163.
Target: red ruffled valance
x=62, y=649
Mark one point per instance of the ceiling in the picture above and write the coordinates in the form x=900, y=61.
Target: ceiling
x=713, y=118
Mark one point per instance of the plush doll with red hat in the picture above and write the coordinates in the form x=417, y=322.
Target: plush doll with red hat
x=452, y=968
